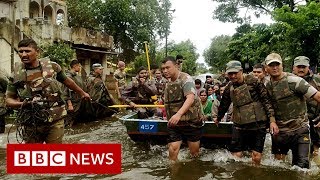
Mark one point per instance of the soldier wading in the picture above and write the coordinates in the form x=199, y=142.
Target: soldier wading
x=37, y=93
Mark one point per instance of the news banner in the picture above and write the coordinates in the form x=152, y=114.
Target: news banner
x=64, y=158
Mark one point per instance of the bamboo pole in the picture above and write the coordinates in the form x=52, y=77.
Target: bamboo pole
x=148, y=61
x=137, y=106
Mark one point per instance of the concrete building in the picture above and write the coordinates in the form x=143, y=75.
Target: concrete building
x=45, y=21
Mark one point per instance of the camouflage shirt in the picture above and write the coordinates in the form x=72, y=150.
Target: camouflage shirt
x=257, y=91
x=313, y=106
x=139, y=93
x=39, y=80
x=121, y=78
x=299, y=89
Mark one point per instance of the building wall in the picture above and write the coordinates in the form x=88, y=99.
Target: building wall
x=5, y=10
x=46, y=30
x=5, y=56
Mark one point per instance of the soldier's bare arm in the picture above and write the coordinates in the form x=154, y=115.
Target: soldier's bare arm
x=316, y=96
x=12, y=101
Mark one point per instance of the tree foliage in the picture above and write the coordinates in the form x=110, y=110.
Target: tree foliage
x=237, y=10
x=302, y=30
x=82, y=13
x=60, y=53
x=130, y=22
x=294, y=33
x=189, y=52
x=216, y=55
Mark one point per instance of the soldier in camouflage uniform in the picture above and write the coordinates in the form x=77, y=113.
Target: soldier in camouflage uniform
x=33, y=83
x=120, y=75
x=183, y=109
x=252, y=112
x=160, y=83
x=139, y=91
x=74, y=99
x=99, y=93
x=288, y=94
x=301, y=69
x=3, y=110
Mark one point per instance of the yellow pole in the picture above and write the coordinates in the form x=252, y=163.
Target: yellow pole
x=138, y=105
x=148, y=61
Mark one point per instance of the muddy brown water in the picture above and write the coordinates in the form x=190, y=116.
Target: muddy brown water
x=143, y=162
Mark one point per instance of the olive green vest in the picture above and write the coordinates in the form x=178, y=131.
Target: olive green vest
x=288, y=105
x=42, y=84
x=245, y=110
x=174, y=99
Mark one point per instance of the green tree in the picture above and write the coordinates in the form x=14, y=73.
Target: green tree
x=230, y=10
x=130, y=22
x=133, y=22
x=60, y=53
x=188, y=50
x=83, y=13
x=302, y=30
x=216, y=55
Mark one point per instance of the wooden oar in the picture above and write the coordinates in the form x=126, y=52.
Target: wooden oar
x=138, y=105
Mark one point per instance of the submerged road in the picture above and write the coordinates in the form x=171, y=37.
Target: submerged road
x=142, y=161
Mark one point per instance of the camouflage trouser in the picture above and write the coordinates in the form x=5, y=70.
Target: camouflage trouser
x=51, y=133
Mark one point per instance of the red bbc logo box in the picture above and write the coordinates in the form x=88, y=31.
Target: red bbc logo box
x=64, y=158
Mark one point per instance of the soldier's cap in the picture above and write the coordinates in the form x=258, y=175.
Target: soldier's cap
x=301, y=61
x=273, y=57
x=97, y=65
x=233, y=66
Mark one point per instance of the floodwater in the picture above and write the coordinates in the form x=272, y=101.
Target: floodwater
x=141, y=161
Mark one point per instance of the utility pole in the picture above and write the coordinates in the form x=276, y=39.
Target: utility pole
x=172, y=10
x=13, y=26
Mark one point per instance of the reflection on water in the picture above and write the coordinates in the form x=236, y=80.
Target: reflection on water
x=142, y=161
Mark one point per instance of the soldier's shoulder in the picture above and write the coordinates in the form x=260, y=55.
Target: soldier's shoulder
x=292, y=78
x=250, y=79
x=185, y=77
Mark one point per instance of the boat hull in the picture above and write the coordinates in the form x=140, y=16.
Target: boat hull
x=155, y=131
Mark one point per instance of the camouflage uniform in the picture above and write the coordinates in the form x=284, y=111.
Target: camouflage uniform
x=160, y=85
x=3, y=110
x=189, y=124
x=140, y=94
x=39, y=82
x=121, y=78
x=74, y=97
x=252, y=110
x=313, y=108
x=100, y=96
x=290, y=109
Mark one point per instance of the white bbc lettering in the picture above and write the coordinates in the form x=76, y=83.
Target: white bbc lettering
x=109, y=158
x=58, y=158
x=91, y=158
x=97, y=158
x=75, y=159
x=39, y=158
x=85, y=158
x=21, y=158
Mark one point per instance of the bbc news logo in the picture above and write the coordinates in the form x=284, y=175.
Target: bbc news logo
x=64, y=158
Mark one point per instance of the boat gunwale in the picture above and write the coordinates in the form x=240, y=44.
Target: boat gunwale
x=127, y=119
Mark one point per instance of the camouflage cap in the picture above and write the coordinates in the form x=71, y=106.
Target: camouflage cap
x=302, y=61
x=233, y=66
x=97, y=65
x=273, y=57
